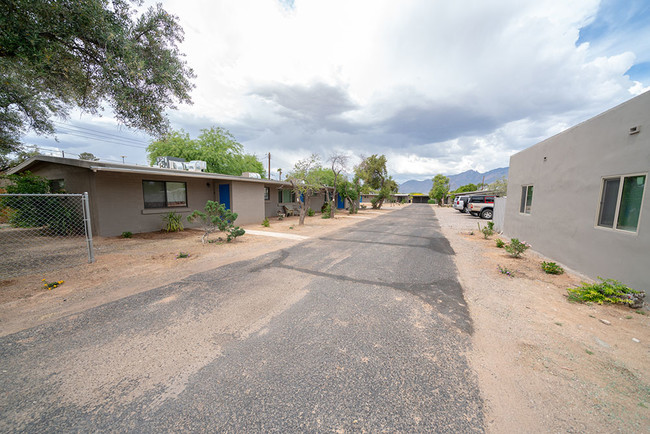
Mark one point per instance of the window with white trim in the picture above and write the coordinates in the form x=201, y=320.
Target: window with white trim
x=267, y=193
x=164, y=194
x=526, y=199
x=620, y=202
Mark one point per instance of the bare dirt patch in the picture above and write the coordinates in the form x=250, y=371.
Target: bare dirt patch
x=544, y=364
x=127, y=266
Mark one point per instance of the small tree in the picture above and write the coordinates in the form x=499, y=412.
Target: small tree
x=87, y=156
x=339, y=164
x=440, y=188
x=305, y=181
x=216, y=217
x=372, y=171
x=500, y=186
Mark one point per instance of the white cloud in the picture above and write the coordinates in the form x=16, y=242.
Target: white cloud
x=436, y=86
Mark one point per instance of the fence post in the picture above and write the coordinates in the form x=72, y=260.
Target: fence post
x=88, y=228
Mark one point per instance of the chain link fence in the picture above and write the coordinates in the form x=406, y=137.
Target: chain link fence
x=43, y=232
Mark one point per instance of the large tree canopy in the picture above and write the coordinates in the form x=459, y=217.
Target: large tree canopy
x=60, y=54
x=215, y=145
x=440, y=188
x=372, y=171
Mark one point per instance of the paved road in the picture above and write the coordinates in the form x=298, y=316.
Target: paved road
x=363, y=330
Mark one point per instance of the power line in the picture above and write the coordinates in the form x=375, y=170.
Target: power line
x=112, y=141
x=90, y=131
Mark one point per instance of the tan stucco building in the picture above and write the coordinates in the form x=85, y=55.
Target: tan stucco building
x=581, y=197
x=135, y=198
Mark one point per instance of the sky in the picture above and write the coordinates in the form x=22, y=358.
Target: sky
x=437, y=87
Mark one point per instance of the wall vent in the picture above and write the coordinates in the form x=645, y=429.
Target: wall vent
x=635, y=130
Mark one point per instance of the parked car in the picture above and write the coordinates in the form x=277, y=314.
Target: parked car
x=460, y=203
x=482, y=206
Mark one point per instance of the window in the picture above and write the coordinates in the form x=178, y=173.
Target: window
x=57, y=186
x=267, y=193
x=526, y=199
x=620, y=202
x=286, y=196
x=164, y=194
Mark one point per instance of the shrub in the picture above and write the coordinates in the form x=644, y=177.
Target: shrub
x=214, y=217
x=487, y=231
x=51, y=285
x=606, y=291
x=266, y=223
x=516, y=248
x=490, y=225
x=506, y=271
x=182, y=255
x=327, y=209
x=431, y=201
x=311, y=212
x=552, y=268
x=173, y=222
x=127, y=234
x=500, y=243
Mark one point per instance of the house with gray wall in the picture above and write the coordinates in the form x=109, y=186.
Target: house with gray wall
x=581, y=197
x=134, y=198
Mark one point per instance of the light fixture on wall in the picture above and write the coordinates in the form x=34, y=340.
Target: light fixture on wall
x=544, y=158
x=635, y=130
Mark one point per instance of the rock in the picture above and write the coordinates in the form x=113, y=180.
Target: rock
x=604, y=321
x=601, y=343
x=635, y=340
x=637, y=299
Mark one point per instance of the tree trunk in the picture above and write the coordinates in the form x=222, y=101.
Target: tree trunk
x=303, y=208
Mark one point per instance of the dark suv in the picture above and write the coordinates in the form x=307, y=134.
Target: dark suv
x=481, y=206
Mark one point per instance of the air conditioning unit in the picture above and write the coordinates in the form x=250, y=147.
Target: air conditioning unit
x=169, y=162
x=251, y=175
x=196, y=166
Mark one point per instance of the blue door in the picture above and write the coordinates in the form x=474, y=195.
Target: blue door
x=340, y=202
x=224, y=195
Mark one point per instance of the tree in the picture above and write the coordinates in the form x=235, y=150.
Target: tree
x=216, y=146
x=88, y=156
x=350, y=191
x=306, y=179
x=339, y=163
x=466, y=188
x=372, y=171
x=215, y=217
x=21, y=156
x=500, y=186
x=58, y=54
x=440, y=188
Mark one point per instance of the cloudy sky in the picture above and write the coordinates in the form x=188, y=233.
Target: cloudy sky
x=438, y=87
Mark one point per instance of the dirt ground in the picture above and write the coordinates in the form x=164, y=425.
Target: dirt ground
x=126, y=266
x=544, y=364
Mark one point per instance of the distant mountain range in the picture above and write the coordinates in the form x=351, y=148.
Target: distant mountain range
x=468, y=177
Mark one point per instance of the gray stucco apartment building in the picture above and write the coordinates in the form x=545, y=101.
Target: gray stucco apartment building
x=581, y=197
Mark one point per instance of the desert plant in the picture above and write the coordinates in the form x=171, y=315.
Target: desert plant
x=552, y=268
x=266, y=223
x=127, y=234
x=51, y=285
x=182, y=255
x=506, y=271
x=215, y=217
x=490, y=225
x=500, y=243
x=606, y=291
x=516, y=248
x=326, y=211
x=173, y=222
x=311, y=212
x=486, y=230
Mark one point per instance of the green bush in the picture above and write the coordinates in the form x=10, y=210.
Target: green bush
x=500, y=243
x=266, y=223
x=55, y=215
x=173, y=222
x=182, y=255
x=552, y=268
x=127, y=234
x=214, y=217
x=311, y=212
x=327, y=209
x=431, y=201
x=490, y=225
x=516, y=248
x=487, y=231
x=606, y=291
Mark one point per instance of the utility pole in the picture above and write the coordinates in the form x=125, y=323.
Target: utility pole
x=62, y=153
x=123, y=157
x=269, y=166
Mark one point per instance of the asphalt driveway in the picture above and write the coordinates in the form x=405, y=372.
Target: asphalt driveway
x=364, y=330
